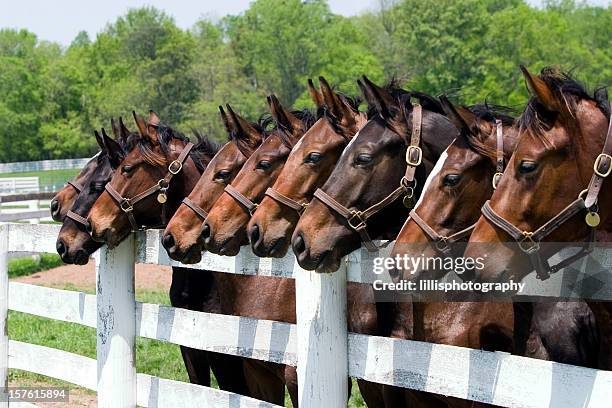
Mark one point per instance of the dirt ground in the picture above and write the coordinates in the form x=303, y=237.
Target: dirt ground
x=83, y=277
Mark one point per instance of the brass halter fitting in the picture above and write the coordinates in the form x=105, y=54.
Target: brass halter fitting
x=175, y=167
x=601, y=161
x=356, y=218
x=528, y=244
x=414, y=156
x=495, y=181
x=126, y=206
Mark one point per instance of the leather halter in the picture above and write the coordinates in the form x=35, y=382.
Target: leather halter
x=442, y=242
x=127, y=204
x=289, y=202
x=357, y=219
x=244, y=201
x=529, y=241
x=77, y=218
x=195, y=208
x=76, y=185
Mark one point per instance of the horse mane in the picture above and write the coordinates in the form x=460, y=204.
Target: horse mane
x=306, y=116
x=201, y=154
x=488, y=113
x=243, y=143
x=537, y=118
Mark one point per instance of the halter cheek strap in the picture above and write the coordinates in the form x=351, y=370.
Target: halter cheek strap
x=499, y=164
x=127, y=204
x=529, y=241
x=244, y=201
x=76, y=185
x=356, y=219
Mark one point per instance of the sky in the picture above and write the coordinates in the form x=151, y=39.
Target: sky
x=62, y=20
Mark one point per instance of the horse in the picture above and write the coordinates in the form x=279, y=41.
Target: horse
x=181, y=237
x=464, y=177
x=387, y=161
x=554, y=188
x=194, y=290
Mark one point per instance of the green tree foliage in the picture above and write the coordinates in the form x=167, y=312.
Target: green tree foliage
x=52, y=97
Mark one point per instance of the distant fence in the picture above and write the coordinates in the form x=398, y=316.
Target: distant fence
x=32, y=207
x=43, y=165
x=14, y=185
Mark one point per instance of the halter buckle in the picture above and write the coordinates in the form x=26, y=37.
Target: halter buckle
x=495, y=181
x=356, y=217
x=528, y=244
x=599, y=161
x=414, y=156
x=175, y=167
x=253, y=209
x=126, y=206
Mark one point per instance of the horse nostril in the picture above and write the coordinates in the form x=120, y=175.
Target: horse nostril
x=298, y=244
x=54, y=206
x=254, y=234
x=205, y=233
x=168, y=241
x=61, y=247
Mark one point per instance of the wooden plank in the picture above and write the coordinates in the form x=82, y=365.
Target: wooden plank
x=156, y=392
x=490, y=377
x=4, y=292
x=240, y=336
x=322, y=338
x=10, y=198
x=116, y=326
x=73, y=368
x=33, y=238
x=24, y=215
x=65, y=305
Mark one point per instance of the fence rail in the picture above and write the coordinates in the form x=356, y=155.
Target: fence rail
x=43, y=165
x=325, y=354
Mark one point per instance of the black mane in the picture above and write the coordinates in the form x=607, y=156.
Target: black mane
x=489, y=112
x=305, y=116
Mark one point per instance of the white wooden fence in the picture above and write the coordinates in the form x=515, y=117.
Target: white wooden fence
x=43, y=165
x=319, y=345
x=16, y=185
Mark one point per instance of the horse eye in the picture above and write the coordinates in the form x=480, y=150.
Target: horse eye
x=126, y=169
x=313, y=157
x=223, y=175
x=264, y=165
x=451, y=180
x=363, y=159
x=527, y=166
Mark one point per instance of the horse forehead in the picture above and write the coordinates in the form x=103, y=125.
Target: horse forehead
x=434, y=172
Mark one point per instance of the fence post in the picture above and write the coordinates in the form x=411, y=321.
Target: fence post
x=116, y=326
x=322, y=338
x=3, y=315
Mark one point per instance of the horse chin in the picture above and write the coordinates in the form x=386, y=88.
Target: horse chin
x=329, y=263
x=192, y=255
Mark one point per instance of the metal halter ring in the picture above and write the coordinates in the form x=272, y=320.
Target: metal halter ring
x=163, y=184
x=253, y=209
x=175, y=170
x=419, y=156
x=496, y=177
x=356, y=215
x=598, y=162
x=442, y=244
x=528, y=244
x=127, y=208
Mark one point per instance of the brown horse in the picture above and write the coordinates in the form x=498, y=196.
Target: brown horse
x=308, y=166
x=563, y=132
x=368, y=178
x=156, y=152
x=182, y=235
x=224, y=230
x=462, y=180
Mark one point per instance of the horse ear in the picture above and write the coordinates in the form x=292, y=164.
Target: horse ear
x=283, y=116
x=366, y=93
x=245, y=132
x=541, y=90
x=99, y=139
x=115, y=128
x=459, y=116
x=336, y=104
x=316, y=96
x=381, y=99
x=227, y=122
x=140, y=124
x=154, y=118
x=124, y=131
x=115, y=153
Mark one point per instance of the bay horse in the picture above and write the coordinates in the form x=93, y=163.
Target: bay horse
x=157, y=146
x=462, y=180
x=554, y=189
x=74, y=244
x=372, y=176
x=181, y=237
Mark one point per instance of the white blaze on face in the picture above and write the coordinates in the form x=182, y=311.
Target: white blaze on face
x=434, y=172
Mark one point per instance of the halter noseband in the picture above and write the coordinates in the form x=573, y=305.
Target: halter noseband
x=356, y=219
x=529, y=241
x=442, y=241
x=76, y=185
x=127, y=204
x=289, y=202
x=244, y=201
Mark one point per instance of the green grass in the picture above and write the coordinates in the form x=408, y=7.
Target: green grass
x=29, y=265
x=153, y=357
x=47, y=178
